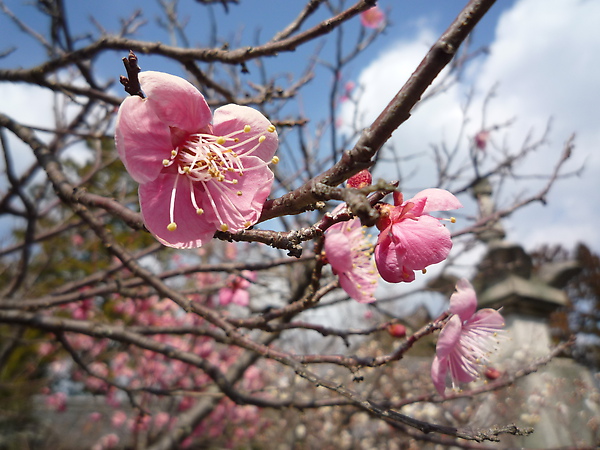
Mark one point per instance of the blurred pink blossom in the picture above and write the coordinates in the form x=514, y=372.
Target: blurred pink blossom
x=348, y=88
x=481, y=139
x=349, y=252
x=195, y=177
x=161, y=419
x=106, y=442
x=372, y=17
x=95, y=416
x=410, y=238
x=236, y=290
x=118, y=419
x=466, y=339
x=57, y=401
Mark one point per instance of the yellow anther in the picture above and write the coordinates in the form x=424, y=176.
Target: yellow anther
x=221, y=140
x=271, y=128
x=166, y=162
x=234, y=181
x=247, y=128
x=275, y=159
x=239, y=193
x=199, y=211
x=173, y=153
x=453, y=219
x=172, y=226
x=247, y=224
x=224, y=227
x=262, y=139
x=236, y=139
x=424, y=271
x=186, y=169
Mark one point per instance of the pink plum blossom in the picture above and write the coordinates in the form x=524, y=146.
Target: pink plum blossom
x=236, y=290
x=196, y=177
x=410, y=238
x=466, y=339
x=349, y=253
x=372, y=17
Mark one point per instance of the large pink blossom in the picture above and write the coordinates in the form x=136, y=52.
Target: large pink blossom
x=466, y=340
x=349, y=252
x=196, y=177
x=410, y=238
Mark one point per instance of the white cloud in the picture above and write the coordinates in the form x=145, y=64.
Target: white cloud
x=543, y=61
x=35, y=106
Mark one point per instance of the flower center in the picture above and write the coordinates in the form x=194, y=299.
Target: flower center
x=206, y=158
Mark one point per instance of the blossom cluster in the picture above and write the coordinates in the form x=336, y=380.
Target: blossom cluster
x=199, y=174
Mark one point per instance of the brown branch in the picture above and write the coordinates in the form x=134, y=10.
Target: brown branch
x=236, y=56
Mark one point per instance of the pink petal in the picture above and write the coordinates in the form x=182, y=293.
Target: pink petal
x=192, y=231
x=142, y=140
x=241, y=297
x=464, y=301
x=175, y=101
x=486, y=318
x=233, y=118
x=438, y=200
x=389, y=259
x=462, y=369
x=223, y=204
x=358, y=288
x=225, y=296
x=337, y=248
x=345, y=247
x=421, y=242
x=439, y=369
x=449, y=337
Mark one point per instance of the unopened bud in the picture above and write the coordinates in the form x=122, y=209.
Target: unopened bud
x=397, y=330
x=360, y=180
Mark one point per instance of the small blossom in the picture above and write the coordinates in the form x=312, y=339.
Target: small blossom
x=196, y=177
x=481, y=139
x=349, y=252
x=466, y=339
x=410, y=238
x=236, y=290
x=348, y=88
x=372, y=17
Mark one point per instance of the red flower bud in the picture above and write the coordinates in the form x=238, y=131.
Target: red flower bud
x=491, y=373
x=397, y=330
x=360, y=180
